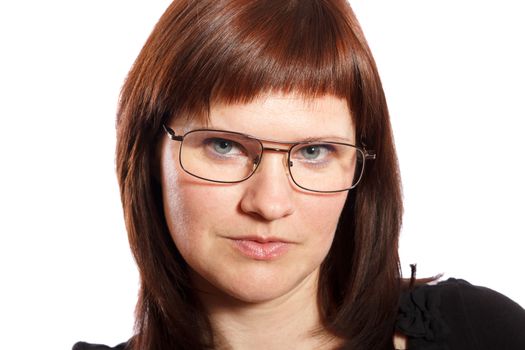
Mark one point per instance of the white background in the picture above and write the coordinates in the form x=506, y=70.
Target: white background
x=453, y=72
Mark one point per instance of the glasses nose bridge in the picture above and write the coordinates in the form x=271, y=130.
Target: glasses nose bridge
x=283, y=150
x=276, y=149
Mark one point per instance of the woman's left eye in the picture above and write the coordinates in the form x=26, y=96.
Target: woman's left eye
x=315, y=152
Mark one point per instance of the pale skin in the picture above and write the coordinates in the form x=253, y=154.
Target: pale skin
x=258, y=304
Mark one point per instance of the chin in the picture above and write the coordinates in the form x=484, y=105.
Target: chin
x=256, y=295
x=255, y=288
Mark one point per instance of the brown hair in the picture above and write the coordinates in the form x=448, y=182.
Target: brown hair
x=203, y=51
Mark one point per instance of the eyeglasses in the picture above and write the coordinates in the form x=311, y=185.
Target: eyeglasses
x=232, y=157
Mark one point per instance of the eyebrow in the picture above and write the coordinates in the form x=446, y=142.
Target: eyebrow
x=326, y=138
x=307, y=140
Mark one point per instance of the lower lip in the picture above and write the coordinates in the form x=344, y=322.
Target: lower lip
x=261, y=250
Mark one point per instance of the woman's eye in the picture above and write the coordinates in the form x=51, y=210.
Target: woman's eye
x=224, y=146
x=315, y=152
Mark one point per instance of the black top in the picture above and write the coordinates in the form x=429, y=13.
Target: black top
x=447, y=316
x=457, y=315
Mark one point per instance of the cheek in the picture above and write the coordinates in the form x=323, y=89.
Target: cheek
x=320, y=218
x=186, y=215
x=193, y=210
x=322, y=215
x=177, y=200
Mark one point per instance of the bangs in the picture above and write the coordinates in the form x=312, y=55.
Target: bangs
x=233, y=51
x=285, y=47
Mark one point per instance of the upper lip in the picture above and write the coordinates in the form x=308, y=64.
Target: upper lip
x=260, y=239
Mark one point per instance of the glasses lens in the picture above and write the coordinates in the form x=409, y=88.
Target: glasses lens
x=326, y=167
x=219, y=156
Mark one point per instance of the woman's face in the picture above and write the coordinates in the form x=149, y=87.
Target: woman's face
x=263, y=238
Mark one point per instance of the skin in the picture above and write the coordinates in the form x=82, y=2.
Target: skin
x=400, y=341
x=258, y=303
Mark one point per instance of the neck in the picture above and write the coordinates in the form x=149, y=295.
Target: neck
x=291, y=321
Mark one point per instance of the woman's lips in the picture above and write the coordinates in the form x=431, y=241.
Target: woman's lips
x=261, y=249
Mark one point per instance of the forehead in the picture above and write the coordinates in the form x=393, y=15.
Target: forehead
x=286, y=117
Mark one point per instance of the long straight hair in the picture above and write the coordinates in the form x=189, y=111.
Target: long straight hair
x=206, y=51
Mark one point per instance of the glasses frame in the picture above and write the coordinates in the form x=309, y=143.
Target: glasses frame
x=367, y=154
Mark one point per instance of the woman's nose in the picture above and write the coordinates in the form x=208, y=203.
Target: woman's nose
x=269, y=191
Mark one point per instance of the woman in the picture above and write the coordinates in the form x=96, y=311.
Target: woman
x=262, y=196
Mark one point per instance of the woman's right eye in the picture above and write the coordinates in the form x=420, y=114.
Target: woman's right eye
x=224, y=147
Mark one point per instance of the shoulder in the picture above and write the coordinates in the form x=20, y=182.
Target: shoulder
x=88, y=346
x=457, y=314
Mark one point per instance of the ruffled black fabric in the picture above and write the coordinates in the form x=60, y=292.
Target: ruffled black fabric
x=419, y=318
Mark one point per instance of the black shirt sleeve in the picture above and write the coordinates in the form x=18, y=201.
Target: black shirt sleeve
x=480, y=318
x=457, y=315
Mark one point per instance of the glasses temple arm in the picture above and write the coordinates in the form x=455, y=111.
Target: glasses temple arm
x=171, y=133
x=369, y=154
